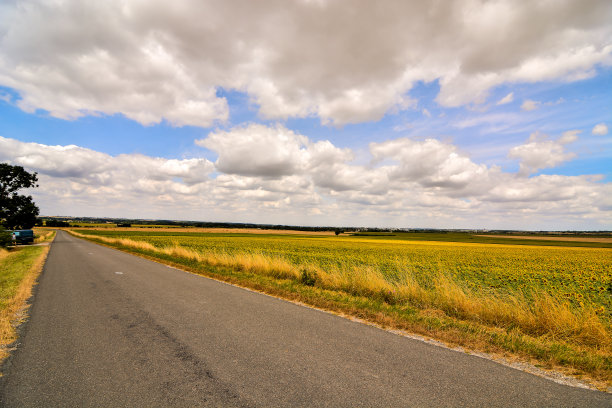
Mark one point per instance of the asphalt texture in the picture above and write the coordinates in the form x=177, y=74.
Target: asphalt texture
x=109, y=329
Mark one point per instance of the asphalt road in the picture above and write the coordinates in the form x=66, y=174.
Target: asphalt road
x=111, y=329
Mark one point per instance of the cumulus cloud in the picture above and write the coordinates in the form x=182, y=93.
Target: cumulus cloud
x=342, y=61
x=600, y=129
x=273, y=152
x=94, y=170
x=430, y=163
x=541, y=152
x=541, y=189
x=257, y=150
x=405, y=183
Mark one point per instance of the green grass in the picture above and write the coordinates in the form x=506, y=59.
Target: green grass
x=483, y=239
x=14, y=266
x=19, y=268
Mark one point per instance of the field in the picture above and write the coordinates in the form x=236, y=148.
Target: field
x=534, y=300
x=555, y=238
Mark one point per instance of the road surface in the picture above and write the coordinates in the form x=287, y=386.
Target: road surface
x=111, y=329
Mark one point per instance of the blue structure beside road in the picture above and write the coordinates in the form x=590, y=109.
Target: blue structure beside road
x=23, y=236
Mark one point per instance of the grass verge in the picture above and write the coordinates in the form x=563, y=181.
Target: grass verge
x=533, y=327
x=43, y=235
x=19, y=268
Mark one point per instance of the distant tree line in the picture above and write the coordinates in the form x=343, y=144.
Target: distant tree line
x=123, y=222
x=56, y=223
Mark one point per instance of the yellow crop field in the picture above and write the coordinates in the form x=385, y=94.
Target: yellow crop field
x=557, y=296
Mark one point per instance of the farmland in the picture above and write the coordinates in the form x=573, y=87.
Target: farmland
x=546, y=301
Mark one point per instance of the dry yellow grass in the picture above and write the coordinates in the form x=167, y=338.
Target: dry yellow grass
x=43, y=235
x=255, y=263
x=16, y=306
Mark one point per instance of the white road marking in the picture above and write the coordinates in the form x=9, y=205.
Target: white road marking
x=119, y=273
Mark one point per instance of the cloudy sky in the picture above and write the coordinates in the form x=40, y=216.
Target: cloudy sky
x=453, y=114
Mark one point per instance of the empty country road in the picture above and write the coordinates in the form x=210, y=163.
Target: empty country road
x=109, y=329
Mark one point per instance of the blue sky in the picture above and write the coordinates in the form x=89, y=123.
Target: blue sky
x=490, y=115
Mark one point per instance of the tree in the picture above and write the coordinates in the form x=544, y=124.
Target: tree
x=57, y=223
x=16, y=211
x=5, y=238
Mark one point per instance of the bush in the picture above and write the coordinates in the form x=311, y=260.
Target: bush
x=307, y=277
x=57, y=223
x=5, y=237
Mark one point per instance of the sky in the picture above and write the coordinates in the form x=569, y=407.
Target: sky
x=404, y=114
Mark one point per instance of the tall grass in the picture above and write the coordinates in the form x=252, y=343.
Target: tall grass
x=43, y=236
x=534, y=313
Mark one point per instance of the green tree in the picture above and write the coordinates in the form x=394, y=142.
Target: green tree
x=16, y=211
x=5, y=237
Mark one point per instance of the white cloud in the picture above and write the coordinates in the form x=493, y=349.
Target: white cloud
x=529, y=105
x=433, y=166
x=407, y=183
x=430, y=162
x=600, y=129
x=258, y=150
x=540, y=152
x=569, y=136
x=96, y=170
x=506, y=99
x=159, y=60
x=546, y=189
